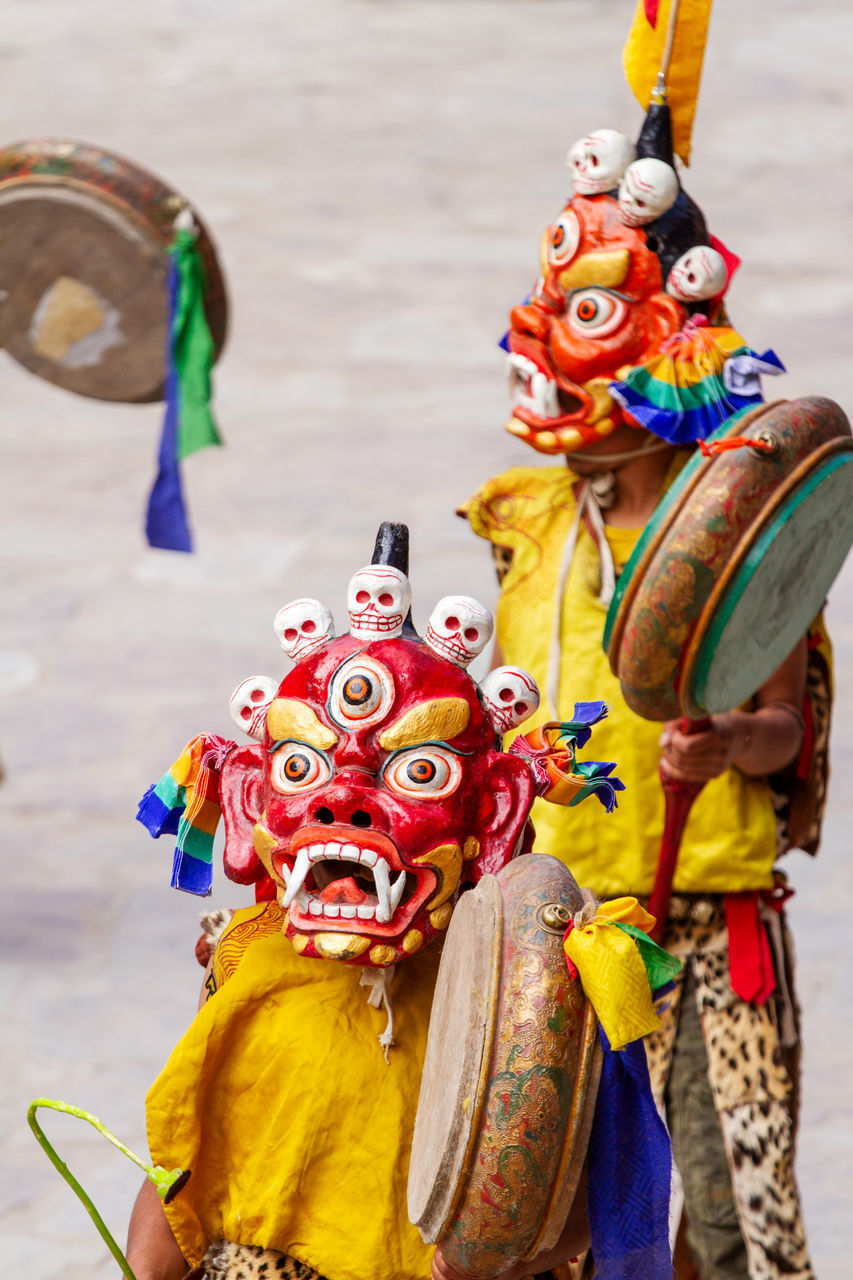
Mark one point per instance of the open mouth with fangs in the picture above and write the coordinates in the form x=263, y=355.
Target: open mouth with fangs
x=344, y=878
x=538, y=399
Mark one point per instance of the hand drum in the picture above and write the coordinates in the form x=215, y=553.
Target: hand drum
x=510, y=1077
x=735, y=563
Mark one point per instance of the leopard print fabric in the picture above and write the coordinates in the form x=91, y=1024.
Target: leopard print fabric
x=753, y=1085
x=224, y=1261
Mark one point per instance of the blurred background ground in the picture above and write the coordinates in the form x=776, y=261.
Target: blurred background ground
x=377, y=174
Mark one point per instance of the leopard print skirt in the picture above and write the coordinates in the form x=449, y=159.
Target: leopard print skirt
x=224, y=1261
x=752, y=1068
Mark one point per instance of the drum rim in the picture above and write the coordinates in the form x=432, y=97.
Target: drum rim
x=435, y=1228
x=717, y=612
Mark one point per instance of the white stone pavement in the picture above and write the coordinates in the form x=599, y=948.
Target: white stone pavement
x=377, y=174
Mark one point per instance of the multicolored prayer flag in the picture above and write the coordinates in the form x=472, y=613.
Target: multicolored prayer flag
x=699, y=378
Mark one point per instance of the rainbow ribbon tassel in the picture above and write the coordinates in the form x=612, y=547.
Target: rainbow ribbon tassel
x=559, y=776
x=185, y=803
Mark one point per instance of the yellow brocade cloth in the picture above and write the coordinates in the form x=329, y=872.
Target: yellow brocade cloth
x=729, y=842
x=279, y=1100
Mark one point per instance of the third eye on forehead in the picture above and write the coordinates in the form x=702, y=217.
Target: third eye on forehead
x=357, y=690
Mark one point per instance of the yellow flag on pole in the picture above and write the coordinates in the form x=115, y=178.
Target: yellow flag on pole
x=677, y=39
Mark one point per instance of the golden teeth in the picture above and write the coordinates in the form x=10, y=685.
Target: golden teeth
x=413, y=941
x=516, y=427
x=340, y=946
x=382, y=955
x=440, y=919
x=471, y=849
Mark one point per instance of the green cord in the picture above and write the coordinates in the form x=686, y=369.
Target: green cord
x=167, y=1182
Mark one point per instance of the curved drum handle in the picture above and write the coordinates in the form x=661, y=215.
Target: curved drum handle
x=678, y=801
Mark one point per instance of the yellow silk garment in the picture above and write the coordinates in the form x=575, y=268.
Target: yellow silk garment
x=297, y=1132
x=729, y=842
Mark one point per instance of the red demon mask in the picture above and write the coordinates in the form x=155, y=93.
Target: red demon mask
x=599, y=309
x=377, y=790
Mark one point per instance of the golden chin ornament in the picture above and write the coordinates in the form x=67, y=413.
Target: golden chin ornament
x=340, y=946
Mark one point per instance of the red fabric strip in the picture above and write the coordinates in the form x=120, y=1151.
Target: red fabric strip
x=750, y=959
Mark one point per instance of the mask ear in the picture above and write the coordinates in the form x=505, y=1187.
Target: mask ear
x=504, y=809
x=241, y=797
x=669, y=316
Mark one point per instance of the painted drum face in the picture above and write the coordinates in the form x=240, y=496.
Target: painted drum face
x=599, y=309
x=378, y=791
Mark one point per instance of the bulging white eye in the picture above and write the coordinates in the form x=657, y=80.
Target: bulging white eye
x=565, y=238
x=362, y=693
x=428, y=772
x=298, y=767
x=594, y=312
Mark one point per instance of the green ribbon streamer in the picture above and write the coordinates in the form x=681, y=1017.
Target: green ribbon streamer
x=192, y=349
x=660, y=966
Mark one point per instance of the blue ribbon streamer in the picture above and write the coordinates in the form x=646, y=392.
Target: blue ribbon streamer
x=630, y=1167
x=166, y=524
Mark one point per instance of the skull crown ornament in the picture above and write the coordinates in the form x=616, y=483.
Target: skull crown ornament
x=629, y=274
x=375, y=788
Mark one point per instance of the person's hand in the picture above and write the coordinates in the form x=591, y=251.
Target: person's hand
x=698, y=757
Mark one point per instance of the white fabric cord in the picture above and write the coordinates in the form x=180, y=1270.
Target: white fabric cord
x=596, y=496
x=379, y=981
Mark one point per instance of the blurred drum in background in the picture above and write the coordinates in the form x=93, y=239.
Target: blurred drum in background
x=84, y=236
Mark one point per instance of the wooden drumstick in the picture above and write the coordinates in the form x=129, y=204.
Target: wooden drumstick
x=678, y=800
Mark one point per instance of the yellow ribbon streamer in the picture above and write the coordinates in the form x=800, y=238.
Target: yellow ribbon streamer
x=612, y=971
x=643, y=57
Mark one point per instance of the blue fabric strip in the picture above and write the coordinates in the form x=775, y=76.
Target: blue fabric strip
x=156, y=817
x=191, y=874
x=684, y=426
x=166, y=524
x=630, y=1163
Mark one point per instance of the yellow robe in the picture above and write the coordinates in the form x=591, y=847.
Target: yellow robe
x=279, y=1100
x=729, y=843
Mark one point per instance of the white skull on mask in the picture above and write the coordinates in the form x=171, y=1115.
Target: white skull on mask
x=459, y=628
x=511, y=695
x=378, y=600
x=302, y=626
x=598, y=161
x=648, y=188
x=698, y=274
x=249, y=704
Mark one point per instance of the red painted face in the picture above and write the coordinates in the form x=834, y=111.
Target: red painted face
x=599, y=310
x=378, y=790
